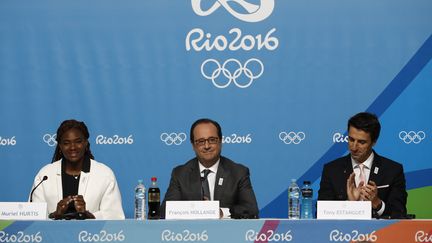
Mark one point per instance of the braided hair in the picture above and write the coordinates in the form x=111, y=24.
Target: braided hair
x=66, y=126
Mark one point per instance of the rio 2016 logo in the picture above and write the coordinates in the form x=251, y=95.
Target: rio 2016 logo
x=7, y=141
x=102, y=236
x=422, y=236
x=253, y=12
x=241, y=73
x=223, y=73
x=269, y=235
x=20, y=236
x=185, y=235
x=198, y=40
x=340, y=138
x=355, y=235
x=116, y=140
x=234, y=138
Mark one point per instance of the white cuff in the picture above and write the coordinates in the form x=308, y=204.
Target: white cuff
x=226, y=213
x=381, y=211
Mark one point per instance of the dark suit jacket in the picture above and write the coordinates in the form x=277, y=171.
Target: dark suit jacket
x=336, y=173
x=235, y=193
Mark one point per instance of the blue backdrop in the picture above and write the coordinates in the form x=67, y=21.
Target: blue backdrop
x=281, y=76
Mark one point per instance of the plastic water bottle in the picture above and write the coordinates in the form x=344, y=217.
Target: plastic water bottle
x=140, y=201
x=306, y=203
x=154, y=200
x=293, y=200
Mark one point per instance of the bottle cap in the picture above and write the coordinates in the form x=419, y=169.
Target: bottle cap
x=306, y=182
x=140, y=181
x=154, y=178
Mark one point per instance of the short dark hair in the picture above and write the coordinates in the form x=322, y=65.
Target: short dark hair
x=204, y=120
x=66, y=126
x=366, y=122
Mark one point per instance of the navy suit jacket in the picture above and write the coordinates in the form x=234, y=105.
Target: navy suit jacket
x=235, y=193
x=383, y=172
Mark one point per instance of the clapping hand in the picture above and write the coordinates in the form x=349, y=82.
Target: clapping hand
x=354, y=192
x=369, y=192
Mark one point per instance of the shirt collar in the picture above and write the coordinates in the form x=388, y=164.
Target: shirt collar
x=367, y=163
x=213, y=168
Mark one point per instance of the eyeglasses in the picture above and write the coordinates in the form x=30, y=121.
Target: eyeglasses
x=210, y=140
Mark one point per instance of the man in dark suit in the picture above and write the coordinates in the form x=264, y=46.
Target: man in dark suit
x=225, y=180
x=363, y=174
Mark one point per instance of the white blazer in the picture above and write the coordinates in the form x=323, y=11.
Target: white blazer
x=98, y=187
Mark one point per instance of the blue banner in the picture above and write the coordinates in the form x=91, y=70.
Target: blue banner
x=282, y=78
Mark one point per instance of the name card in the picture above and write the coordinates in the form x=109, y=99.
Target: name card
x=23, y=211
x=344, y=210
x=192, y=210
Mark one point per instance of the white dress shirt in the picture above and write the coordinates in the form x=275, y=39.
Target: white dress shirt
x=367, y=166
x=211, y=178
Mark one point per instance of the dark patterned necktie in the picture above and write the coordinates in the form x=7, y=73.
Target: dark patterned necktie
x=205, y=185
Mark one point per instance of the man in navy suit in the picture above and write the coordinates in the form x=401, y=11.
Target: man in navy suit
x=363, y=174
x=228, y=182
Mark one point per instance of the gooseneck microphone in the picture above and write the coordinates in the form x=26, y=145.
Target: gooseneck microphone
x=31, y=194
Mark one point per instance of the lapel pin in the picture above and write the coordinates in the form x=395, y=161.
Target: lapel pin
x=220, y=181
x=376, y=170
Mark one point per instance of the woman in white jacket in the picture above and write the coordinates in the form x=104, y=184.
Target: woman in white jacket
x=77, y=185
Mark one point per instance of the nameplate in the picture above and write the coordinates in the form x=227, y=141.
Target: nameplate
x=344, y=210
x=192, y=210
x=23, y=211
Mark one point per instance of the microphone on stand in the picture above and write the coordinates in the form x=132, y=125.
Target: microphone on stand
x=31, y=194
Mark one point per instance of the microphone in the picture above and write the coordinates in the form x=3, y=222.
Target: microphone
x=31, y=194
